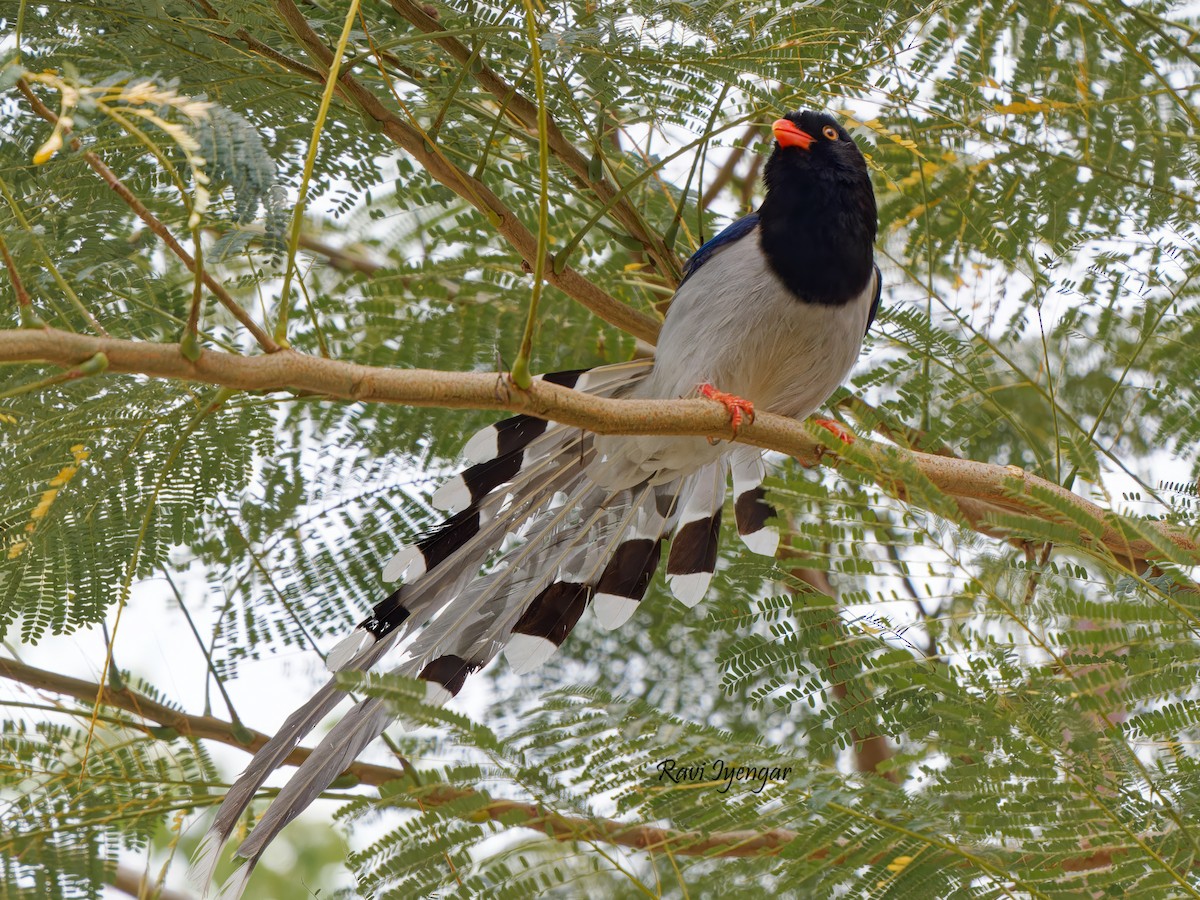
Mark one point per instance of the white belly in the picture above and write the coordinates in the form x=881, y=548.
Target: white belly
x=735, y=326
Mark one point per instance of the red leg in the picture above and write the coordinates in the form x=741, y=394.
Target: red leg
x=739, y=410
x=837, y=429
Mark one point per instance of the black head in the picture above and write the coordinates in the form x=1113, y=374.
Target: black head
x=814, y=145
x=818, y=218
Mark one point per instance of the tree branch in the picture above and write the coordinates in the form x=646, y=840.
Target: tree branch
x=525, y=113
x=345, y=259
x=978, y=489
x=154, y=223
x=471, y=189
x=554, y=825
x=134, y=883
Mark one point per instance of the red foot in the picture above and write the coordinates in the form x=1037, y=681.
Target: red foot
x=739, y=409
x=837, y=429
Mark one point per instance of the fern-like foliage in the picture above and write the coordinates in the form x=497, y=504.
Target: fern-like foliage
x=951, y=696
x=54, y=842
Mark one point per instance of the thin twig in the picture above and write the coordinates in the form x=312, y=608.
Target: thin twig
x=310, y=161
x=204, y=650
x=870, y=750
x=252, y=43
x=525, y=113
x=1035, y=569
x=725, y=173
x=25, y=311
x=892, y=429
x=155, y=225
x=474, y=191
x=343, y=259
x=88, y=367
x=23, y=302
x=520, y=370
x=529, y=815
x=32, y=234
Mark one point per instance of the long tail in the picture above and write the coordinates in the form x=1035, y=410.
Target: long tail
x=574, y=543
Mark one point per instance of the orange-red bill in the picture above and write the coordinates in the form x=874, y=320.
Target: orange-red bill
x=791, y=135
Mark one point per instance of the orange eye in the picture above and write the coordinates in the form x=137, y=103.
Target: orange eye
x=830, y=132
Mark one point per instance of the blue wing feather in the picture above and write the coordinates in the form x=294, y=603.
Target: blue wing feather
x=732, y=232
x=875, y=301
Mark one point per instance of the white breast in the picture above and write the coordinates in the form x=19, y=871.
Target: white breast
x=735, y=325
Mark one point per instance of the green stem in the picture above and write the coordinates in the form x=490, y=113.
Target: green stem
x=48, y=262
x=673, y=228
x=560, y=258
x=93, y=366
x=189, y=344
x=1148, y=331
x=520, y=370
x=331, y=81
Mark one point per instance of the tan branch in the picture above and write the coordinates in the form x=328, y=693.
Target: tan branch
x=471, y=189
x=344, y=259
x=529, y=815
x=978, y=488
x=525, y=113
x=135, y=884
x=154, y=223
x=554, y=825
x=190, y=726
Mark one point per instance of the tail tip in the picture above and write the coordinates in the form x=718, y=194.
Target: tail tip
x=483, y=446
x=526, y=652
x=409, y=558
x=235, y=884
x=613, y=611
x=345, y=650
x=436, y=694
x=203, y=867
x=690, y=589
x=452, y=496
x=764, y=542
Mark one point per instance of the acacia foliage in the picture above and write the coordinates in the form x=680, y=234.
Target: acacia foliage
x=1029, y=699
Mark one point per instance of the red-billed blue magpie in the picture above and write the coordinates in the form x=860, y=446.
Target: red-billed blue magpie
x=770, y=314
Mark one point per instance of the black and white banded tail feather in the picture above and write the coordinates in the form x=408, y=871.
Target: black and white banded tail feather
x=531, y=541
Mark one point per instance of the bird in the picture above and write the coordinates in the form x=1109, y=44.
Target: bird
x=770, y=314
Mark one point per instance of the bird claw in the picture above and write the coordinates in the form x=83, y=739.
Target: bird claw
x=739, y=409
x=837, y=429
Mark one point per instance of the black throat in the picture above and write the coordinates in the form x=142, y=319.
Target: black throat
x=818, y=234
